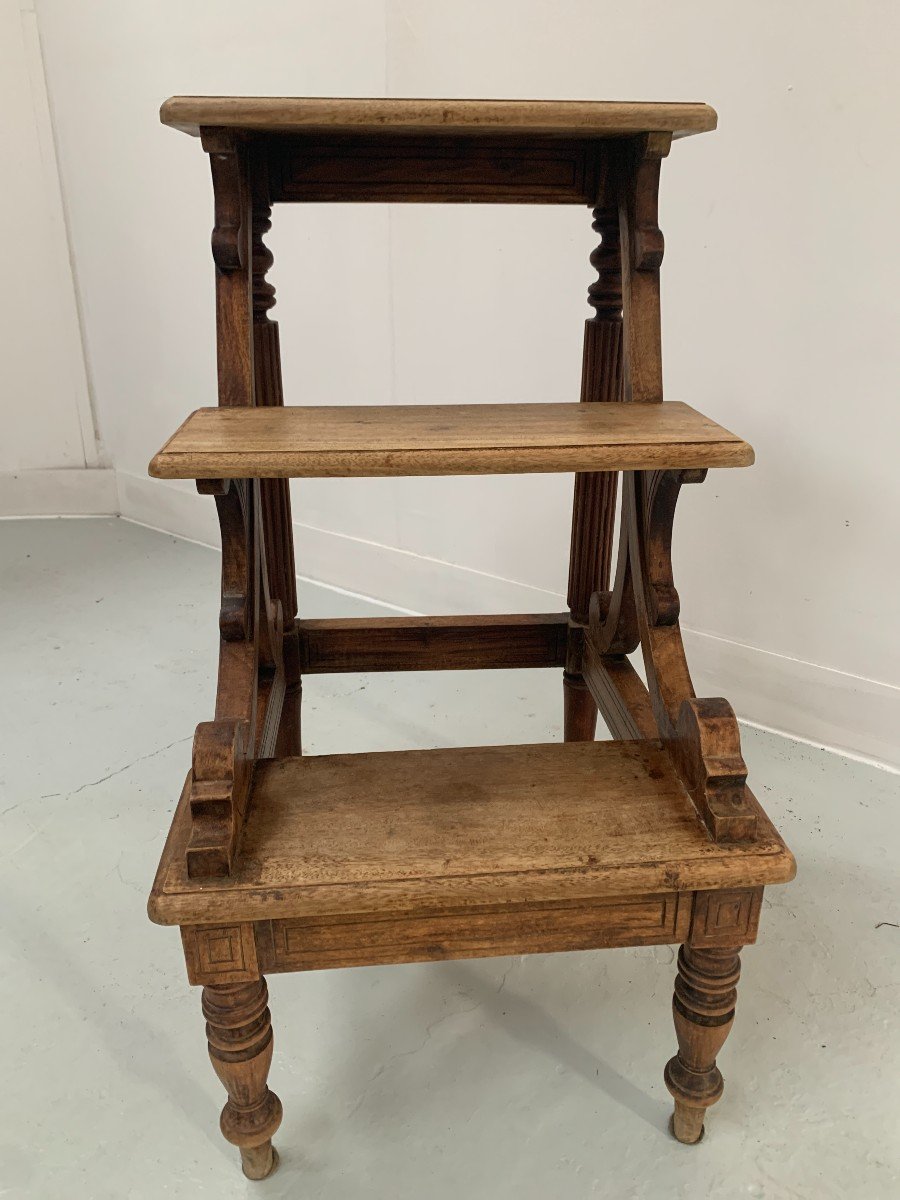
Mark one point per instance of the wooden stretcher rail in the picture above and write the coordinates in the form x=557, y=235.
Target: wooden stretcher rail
x=619, y=693
x=432, y=643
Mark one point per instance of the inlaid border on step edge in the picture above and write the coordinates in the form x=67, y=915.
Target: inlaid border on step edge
x=242, y=952
x=726, y=918
x=220, y=953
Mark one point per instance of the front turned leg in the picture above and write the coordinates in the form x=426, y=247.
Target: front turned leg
x=239, y=1032
x=703, y=1009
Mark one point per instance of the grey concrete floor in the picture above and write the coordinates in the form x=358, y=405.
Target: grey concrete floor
x=527, y=1078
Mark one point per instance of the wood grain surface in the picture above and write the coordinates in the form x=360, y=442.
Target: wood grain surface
x=550, y=117
x=467, y=643
x=426, y=439
x=432, y=830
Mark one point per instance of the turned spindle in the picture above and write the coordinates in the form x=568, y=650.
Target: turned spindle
x=703, y=1011
x=594, y=503
x=239, y=1033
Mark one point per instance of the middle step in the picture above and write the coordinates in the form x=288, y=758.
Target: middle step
x=447, y=439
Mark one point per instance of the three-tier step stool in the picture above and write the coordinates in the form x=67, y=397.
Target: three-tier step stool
x=283, y=862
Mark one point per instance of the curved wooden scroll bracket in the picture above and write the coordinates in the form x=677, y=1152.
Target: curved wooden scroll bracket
x=235, y=613
x=647, y=244
x=701, y=735
x=250, y=689
x=229, y=235
x=613, y=620
x=642, y=254
x=256, y=618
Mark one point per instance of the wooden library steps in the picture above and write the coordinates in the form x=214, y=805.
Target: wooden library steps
x=280, y=861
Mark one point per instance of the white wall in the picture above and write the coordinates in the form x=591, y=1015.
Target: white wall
x=139, y=199
x=779, y=304
x=779, y=319
x=48, y=426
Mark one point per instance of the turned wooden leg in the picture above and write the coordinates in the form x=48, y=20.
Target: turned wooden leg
x=579, y=710
x=239, y=1033
x=703, y=1009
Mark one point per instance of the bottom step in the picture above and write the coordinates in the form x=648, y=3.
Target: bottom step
x=372, y=835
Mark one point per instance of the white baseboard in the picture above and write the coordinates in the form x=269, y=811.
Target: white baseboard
x=828, y=708
x=79, y=492
x=847, y=713
x=170, y=505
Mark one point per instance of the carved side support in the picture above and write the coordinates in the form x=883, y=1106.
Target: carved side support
x=239, y=1033
x=612, y=618
x=703, y=1011
x=251, y=683
x=231, y=253
x=594, y=501
x=275, y=493
x=643, y=607
x=701, y=735
x=642, y=255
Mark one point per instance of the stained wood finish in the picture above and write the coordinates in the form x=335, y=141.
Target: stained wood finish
x=313, y=943
x=464, y=439
x=593, y=506
x=238, y=953
x=231, y=249
x=432, y=643
x=594, y=499
x=642, y=254
x=446, y=170
x=431, y=830
x=251, y=685
x=619, y=693
x=276, y=862
x=703, y=1011
x=239, y=1034
x=275, y=498
x=701, y=734
x=600, y=118
x=725, y=918
x=579, y=709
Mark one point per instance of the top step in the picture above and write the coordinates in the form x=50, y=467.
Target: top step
x=462, y=118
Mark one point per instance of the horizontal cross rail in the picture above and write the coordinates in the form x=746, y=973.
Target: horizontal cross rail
x=432, y=643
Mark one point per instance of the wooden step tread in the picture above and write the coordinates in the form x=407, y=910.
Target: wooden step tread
x=321, y=114
x=449, y=830
x=463, y=439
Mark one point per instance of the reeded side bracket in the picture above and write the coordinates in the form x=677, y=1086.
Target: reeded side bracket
x=643, y=607
x=254, y=518
x=250, y=690
x=701, y=734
